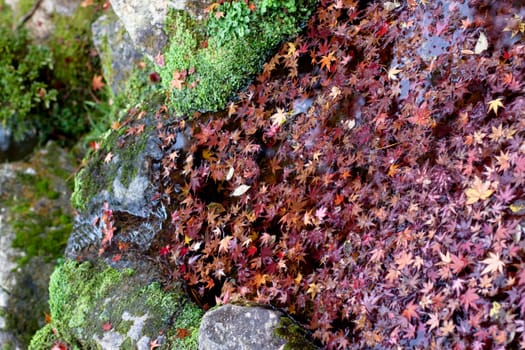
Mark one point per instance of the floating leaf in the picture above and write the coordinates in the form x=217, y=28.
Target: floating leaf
x=482, y=44
x=239, y=191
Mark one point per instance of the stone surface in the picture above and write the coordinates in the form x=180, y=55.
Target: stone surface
x=233, y=327
x=126, y=184
x=12, y=150
x=115, y=48
x=145, y=20
x=7, y=258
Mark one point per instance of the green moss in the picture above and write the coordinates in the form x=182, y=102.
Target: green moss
x=206, y=62
x=127, y=344
x=38, y=206
x=83, y=297
x=124, y=326
x=189, y=321
x=295, y=336
x=44, y=338
x=99, y=175
x=6, y=14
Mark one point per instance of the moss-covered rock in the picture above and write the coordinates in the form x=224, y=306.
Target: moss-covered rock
x=95, y=307
x=208, y=60
x=37, y=220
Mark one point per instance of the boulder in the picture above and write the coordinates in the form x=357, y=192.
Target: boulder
x=233, y=327
x=116, y=49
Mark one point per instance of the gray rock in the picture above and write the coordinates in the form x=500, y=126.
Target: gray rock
x=233, y=327
x=115, y=48
x=145, y=20
x=125, y=183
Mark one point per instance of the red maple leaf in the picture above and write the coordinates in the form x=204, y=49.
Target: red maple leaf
x=469, y=299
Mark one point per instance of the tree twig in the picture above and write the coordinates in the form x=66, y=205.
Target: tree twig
x=29, y=14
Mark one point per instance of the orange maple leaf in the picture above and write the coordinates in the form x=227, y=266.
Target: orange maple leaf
x=326, y=61
x=97, y=83
x=177, y=80
x=410, y=311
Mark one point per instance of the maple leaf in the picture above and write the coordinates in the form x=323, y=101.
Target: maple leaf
x=410, y=311
x=326, y=61
x=404, y=259
x=259, y=279
x=97, y=83
x=177, y=80
x=493, y=263
x=279, y=118
x=321, y=213
x=448, y=327
x=159, y=59
x=59, y=346
x=392, y=72
x=469, y=299
x=182, y=333
x=495, y=104
x=433, y=321
x=225, y=243
x=479, y=191
x=108, y=157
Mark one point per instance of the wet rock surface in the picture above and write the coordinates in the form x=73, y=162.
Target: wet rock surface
x=124, y=183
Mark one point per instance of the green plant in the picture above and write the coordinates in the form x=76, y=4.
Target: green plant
x=24, y=91
x=208, y=61
x=43, y=86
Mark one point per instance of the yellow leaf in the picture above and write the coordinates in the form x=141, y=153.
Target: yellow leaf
x=494, y=311
x=291, y=49
x=494, y=105
x=298, y=279
x=518, y=207
x=392, y=73
x=479, y=190
x=326, y=61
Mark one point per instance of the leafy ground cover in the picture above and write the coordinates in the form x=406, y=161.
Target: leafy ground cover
x=54, y=87
x=369, y=181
